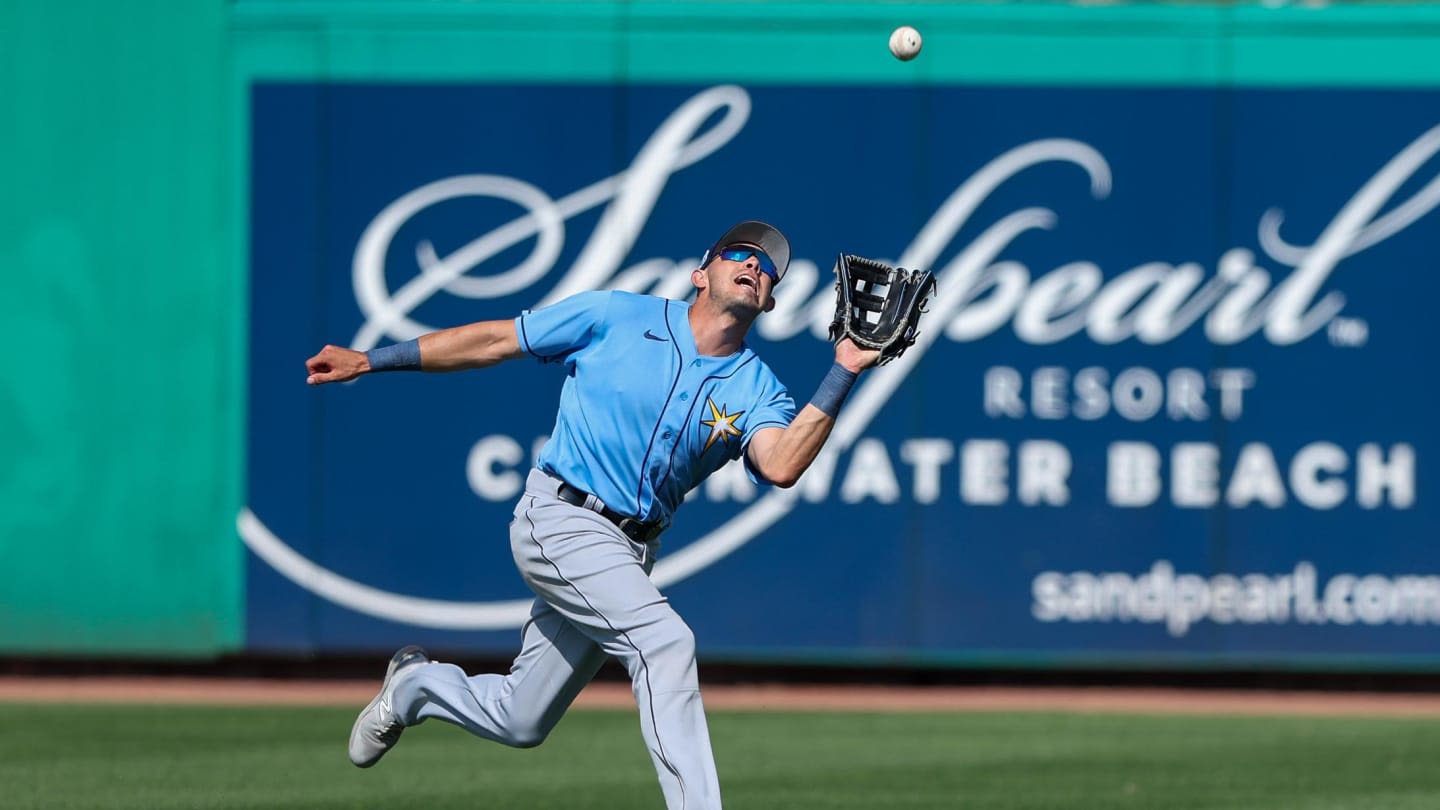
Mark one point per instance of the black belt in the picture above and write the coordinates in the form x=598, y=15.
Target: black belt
x=635, y=530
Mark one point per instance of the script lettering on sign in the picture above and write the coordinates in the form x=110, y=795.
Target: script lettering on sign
x=1153, y=302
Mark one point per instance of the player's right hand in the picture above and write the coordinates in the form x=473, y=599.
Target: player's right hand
x=336, y=364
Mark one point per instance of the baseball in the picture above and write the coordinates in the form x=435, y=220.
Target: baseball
x=905, y=43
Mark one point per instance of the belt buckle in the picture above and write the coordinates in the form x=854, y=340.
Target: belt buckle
x=637, y=530
x=631, y=528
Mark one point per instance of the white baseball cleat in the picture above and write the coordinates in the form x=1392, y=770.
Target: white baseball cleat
x=378, y=727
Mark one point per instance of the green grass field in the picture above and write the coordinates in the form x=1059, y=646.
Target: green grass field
x=155, y=757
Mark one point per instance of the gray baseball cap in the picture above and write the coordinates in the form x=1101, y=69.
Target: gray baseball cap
x=753, y=232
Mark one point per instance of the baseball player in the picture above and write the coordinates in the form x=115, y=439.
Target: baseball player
x=659, y=394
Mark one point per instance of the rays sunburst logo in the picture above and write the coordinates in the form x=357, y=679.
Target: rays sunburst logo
x=721, y=424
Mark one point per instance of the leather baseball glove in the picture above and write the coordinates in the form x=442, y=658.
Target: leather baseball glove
x=878, y=306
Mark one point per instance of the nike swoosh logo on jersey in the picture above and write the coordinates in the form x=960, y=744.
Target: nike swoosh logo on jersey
x=651, y=336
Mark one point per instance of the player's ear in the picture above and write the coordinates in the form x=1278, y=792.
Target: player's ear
x=769, y=303
x=699, y=279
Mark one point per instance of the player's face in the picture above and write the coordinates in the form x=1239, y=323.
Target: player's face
x=741, y=277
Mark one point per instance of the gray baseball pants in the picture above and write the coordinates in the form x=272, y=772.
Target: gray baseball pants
x=595, y=599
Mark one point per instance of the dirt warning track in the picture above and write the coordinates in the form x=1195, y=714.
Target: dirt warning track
x=769, y=697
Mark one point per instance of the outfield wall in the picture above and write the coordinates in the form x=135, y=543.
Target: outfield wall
x=121, y=396
x=1170, y=410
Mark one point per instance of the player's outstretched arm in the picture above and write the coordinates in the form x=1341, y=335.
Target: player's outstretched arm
x=783, y=455
x=475, y=345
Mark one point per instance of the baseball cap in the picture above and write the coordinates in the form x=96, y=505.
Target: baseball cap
x=766, y=237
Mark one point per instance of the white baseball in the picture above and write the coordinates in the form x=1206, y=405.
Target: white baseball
x=905, y=43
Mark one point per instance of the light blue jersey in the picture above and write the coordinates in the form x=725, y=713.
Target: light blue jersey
x=644, y=417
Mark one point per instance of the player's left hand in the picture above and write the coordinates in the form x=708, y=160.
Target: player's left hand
x=336, y=364
x=888, y=321
x=854, y=357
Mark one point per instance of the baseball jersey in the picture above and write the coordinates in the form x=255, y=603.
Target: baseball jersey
x=643, y=416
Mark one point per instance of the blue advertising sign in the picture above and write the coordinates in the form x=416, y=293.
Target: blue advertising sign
x=1170, y=404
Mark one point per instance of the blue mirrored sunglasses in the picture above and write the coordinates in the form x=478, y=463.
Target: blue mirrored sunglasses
x=742, y=254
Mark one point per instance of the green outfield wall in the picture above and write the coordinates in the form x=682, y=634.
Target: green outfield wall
x=124, y=221
x=119, y=420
